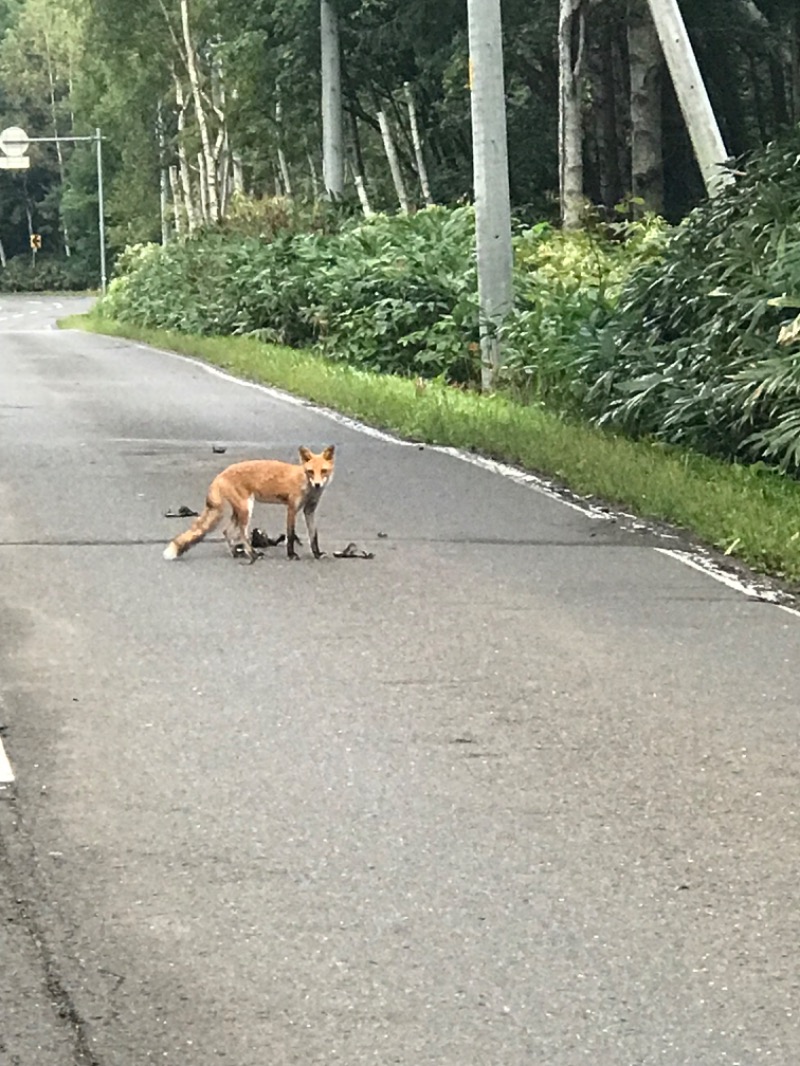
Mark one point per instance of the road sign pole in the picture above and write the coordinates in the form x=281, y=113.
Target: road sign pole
x=14, y=144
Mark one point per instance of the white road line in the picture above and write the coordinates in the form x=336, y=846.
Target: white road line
x=697, y=559
x=706, y=565
x=6, y=773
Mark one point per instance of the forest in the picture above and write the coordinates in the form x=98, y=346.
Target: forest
x=204, y=102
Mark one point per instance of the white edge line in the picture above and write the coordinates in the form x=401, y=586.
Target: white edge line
x=705, y=565
x=6, y=773
x=696, y=560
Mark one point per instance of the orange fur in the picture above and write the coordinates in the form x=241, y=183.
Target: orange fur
x=298, y=486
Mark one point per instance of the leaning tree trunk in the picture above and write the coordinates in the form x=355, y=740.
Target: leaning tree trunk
x=419, y=156
x=571, y=34
x=394, y=163
x=646, y=67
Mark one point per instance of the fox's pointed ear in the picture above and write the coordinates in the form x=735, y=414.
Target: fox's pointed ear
x=328, y=453
x=305, y=454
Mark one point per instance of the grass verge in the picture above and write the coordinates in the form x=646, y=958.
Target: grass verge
x=751, y=513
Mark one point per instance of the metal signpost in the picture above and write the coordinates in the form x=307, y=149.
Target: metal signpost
x=14, y=143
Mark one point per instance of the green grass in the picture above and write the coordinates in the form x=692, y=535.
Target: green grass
x=750, y=512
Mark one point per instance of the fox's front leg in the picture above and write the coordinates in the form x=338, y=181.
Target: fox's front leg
x=291, y=536
x=310, y=514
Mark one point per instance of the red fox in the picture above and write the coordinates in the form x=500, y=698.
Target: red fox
x=299, y=486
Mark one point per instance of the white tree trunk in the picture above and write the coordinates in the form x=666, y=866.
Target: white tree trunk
x=361, y=190
x=394, y=163
x=282, y=164
x=222, y=147
x=183, y=161
x=224, y=175
x=571, y=37
x=646, y=63
x=416, y=140
x=314, y=179
x=209, y=170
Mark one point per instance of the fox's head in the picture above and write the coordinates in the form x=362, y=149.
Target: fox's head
x=318, y=468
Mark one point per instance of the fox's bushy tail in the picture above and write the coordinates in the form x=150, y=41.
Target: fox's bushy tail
x=203, y=524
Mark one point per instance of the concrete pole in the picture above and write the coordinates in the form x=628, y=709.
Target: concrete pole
x=490, y=175
x=709, y=148
x=332, y=125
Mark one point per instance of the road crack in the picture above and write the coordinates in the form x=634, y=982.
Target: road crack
x=21, y=888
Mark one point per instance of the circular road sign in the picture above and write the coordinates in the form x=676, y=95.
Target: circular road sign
x=14, y=141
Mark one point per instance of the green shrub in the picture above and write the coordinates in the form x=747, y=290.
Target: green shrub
x=388, y=293
x=567, y=287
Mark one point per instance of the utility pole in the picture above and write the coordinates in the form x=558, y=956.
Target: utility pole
x=101, y=217
x=332, y=125
x=490, y=176
x=709, y=148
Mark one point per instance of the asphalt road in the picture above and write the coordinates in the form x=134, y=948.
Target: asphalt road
x=519, y=791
